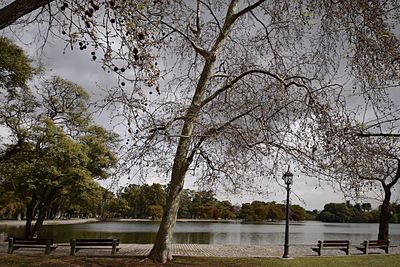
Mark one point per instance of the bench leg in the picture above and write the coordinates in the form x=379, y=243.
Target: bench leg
x=114, y=247
x=10, y=245
x=73, y=245
x=48, y=247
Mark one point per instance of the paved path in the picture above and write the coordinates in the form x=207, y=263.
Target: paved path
x=201, y=250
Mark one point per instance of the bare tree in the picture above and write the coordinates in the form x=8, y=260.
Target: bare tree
x=361, y=157
x=244, y=80
x=353, y=141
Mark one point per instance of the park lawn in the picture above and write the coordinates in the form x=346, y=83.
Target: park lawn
x=64, y=261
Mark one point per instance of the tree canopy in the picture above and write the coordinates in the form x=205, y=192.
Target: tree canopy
x=53, y=148
x=15, y=67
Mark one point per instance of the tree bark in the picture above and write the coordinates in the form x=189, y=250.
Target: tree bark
x=30, y=213
x=39, y=222
x=161, y=251
x=384, y=217
x=18, y=9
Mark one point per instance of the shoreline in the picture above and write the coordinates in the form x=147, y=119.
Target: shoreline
x=48, y=222
x=91, y=220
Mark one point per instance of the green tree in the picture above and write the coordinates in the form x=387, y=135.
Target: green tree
x=327, y=216
x=366, y=206
x=343, y=212
x=55, y=147
x=15, y=68
x=184, y=208
x=202, y=205
x=247, y=212
x=131, y=195
x=298, y=213
x=155, y=212
x=260, y=210
x=275, y=212
x=140, y=198
x=312, y=215
x=225, y=210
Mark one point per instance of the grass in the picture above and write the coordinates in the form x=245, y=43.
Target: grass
x=64, y=261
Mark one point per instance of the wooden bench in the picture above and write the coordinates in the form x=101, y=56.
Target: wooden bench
x=343, y=245
x=78, y=244
x=379, y=244
x=16, y=243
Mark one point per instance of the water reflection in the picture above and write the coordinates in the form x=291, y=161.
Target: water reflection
x=212, y=233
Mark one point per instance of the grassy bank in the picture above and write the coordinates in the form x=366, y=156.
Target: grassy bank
x=63, y=261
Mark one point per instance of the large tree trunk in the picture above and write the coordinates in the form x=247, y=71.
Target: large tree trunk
x=161, y=251
x=43, y=206
x=384, y=217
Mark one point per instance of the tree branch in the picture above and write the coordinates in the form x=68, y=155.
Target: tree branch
x=213, y=130
x=18, y=9
x=195, y=46
x=397, y=177
x=377, y=135
x=238, y=78
x=249, y=8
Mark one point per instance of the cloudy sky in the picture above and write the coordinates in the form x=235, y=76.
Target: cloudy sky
x=77, y=66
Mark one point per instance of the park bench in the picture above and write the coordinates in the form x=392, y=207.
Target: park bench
x=16, y=243
x=376, y=244
x=343, y=245
x=78, y=244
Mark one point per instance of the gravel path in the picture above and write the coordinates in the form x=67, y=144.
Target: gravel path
x=202, y=250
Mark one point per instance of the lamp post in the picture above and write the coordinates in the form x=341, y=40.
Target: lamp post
x=288, y=179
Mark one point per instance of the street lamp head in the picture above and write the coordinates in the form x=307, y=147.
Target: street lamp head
x=288, y=177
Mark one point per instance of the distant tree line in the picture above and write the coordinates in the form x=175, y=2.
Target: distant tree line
x=147, y=202
x=358, y=213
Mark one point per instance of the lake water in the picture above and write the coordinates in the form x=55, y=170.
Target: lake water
x=213, y=233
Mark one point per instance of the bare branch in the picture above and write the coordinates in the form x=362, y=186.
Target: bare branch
x=237, y=79
x=249, y=8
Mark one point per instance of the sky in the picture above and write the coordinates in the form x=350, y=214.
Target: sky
x=77, y=66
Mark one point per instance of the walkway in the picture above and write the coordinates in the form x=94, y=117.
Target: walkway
x=202, y=250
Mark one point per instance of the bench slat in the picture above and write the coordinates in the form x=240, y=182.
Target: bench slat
x=17, y=243
x=78, y=244
x=336, y=241
x=381, y=244
x=94, y=244
x=95, y=240
x=343, y=245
